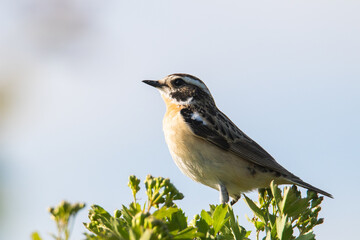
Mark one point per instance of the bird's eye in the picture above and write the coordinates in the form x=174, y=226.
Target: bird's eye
x=178, y=82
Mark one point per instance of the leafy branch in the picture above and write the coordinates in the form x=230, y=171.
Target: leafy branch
x=281, y=214
x=63, y=215
x=278, y=215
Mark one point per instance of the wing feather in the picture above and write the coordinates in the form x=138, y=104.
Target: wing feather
x=226, y=135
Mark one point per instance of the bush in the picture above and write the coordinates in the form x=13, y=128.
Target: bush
x=277, y=215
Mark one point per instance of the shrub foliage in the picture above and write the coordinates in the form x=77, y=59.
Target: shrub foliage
x=277, y=216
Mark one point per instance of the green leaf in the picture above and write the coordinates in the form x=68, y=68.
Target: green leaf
x=177, y=221
x=273, y=232
x=132, y=235
x=272, y=219
x=307, y=236
x=237, y=231
x=163, y=213
x=202, y=226
x=276, y=193
x=188, y=233
x=283, y=202
x=147, y=235
x=268, y=235
x=283, y=228
x=293, y=204
x=118, y=228
x=219, y=217
x=205, y=215
x=255, y=209
x=98, y=214
x=260, y=226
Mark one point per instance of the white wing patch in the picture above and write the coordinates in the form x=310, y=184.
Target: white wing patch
x=195, y=116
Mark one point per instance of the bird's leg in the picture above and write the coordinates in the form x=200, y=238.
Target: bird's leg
x=237, y=197
x=224, y=195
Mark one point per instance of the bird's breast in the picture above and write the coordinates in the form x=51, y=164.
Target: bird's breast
x=205, y=162
x=183, y=145
x=198, y=159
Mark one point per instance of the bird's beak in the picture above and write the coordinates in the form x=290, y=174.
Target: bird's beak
x=153, y=83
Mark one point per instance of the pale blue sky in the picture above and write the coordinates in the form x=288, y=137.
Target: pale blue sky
x=78, y=121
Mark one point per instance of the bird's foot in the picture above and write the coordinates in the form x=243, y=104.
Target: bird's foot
x=224, y=195
x=237, y=197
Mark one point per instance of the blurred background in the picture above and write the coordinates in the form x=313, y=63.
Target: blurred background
x=76, y=120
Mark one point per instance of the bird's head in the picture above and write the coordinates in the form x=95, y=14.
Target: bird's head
x=182, y=89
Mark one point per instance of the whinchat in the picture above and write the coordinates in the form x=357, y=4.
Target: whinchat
x=209, y=148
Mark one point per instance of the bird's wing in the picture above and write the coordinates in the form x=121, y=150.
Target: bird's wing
x=222, y=132
x=201, y=129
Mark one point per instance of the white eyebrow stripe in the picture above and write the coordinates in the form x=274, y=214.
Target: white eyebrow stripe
x=196, y=83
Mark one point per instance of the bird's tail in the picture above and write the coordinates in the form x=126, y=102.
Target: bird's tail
x=301, y=183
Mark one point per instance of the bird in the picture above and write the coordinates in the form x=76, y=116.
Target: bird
x=209, y=148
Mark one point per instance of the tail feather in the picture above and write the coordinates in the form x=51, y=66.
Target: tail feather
x=301, y=183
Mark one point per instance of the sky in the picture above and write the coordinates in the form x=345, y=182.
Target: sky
x=76, y=120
